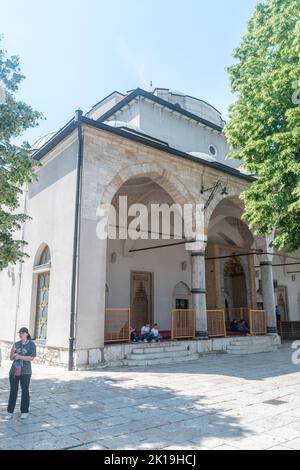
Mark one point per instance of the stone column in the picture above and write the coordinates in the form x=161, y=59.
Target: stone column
x=268, y=295
x=199, y=292
x=267, y=285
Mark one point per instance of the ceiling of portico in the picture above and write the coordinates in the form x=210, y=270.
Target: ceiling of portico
x=142, y=191
x=226, y=226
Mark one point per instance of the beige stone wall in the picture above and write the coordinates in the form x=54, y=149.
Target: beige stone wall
x=51, y=205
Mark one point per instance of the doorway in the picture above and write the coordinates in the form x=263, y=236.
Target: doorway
x=141, y=298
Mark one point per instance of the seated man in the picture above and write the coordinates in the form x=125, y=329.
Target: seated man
x=243, y=327
x=234, y=325
x=145, y=332
x=155, y=336
x=134, y=335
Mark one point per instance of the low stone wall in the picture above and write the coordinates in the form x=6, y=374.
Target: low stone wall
x=59, y=357
x=48, y=356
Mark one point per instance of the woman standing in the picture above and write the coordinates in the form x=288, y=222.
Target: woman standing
x=22, y=353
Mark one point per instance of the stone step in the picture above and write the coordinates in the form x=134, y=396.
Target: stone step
x=250, y=350
x=250, y=346
x=149, y=349
x=157, y=355
x=250, y=343
x=162, y=360
x=250, y=339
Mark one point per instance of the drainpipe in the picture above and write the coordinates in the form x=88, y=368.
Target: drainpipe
x=20, y=268
x=78, y=121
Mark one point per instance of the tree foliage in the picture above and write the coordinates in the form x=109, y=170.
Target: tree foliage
x=264, y=122
x=16, y=163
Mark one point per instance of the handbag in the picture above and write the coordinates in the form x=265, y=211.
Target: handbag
x=18, y=369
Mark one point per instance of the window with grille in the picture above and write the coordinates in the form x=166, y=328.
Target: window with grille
x=182, y=304
x=42, y=298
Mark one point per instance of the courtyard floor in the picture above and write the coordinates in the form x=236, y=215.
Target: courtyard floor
x=218, y=402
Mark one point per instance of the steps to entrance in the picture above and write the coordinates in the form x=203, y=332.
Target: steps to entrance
x=251, y=345
x=160, y=353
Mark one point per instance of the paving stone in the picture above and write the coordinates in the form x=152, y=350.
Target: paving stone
x=293, y=444
x=211, y=404
x=65, y=430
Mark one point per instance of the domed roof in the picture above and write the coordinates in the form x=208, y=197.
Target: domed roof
x=42, y=140
x=204, y=156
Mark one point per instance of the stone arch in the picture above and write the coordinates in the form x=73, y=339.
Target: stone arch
x=233, y=195
x=39, y=252
x=160, y=175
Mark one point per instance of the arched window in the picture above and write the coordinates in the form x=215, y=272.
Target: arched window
x=42, y=271
x=181, y=296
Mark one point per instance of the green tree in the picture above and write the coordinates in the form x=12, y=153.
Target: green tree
x=16, y=163
x=264, y=122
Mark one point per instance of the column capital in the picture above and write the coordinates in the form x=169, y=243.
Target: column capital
x=198, y=246
x=265, y=248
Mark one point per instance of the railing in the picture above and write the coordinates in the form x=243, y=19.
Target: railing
x=289, y=329
x=216, y=323
x=117, y=325
x=183, y=324
x=258, y=322
x=255, y=319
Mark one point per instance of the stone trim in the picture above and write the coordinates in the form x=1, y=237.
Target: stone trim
x=201, y=334
x=199, y=290
x=272, y=330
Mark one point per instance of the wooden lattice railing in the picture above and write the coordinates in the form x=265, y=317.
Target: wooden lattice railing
x=255, y=319
x=183, y=324
x=117, y=325
x=289, y=329
x=216, y=323
x=257, y=322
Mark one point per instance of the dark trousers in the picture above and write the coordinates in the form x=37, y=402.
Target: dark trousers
x=14, y=386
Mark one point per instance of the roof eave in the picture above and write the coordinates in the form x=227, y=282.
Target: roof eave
x=73, y=124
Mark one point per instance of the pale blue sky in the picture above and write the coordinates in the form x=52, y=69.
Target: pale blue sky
x=75, y=52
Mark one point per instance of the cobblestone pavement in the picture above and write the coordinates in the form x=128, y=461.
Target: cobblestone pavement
x=217, y=402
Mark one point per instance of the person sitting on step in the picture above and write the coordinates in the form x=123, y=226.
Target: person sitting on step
x=243, y=327
x=145, y=332
x=234, y=325
x=134, y=337
x=155, y=336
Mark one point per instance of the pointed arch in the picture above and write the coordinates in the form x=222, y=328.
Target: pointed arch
x=181, y=296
